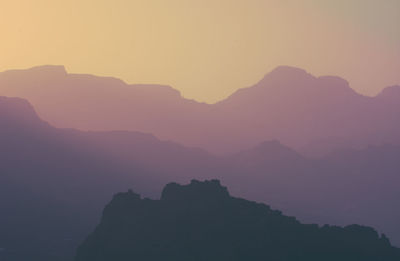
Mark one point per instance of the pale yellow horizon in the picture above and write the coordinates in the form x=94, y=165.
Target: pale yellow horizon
x=206, y=49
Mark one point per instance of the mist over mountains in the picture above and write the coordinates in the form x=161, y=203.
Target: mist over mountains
x=314, y=115
x=54, y=182
x=108, y=152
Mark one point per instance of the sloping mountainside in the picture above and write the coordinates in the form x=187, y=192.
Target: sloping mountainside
x=313, y=115
x=201, y=221
x=348, y=186
x=54, y=182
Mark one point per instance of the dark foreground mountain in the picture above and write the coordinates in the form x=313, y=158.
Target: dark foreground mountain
x=54, y=182
x=348, y=186
x=201, y=221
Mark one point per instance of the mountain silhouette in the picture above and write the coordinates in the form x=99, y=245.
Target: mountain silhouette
x=267, y=152
x=54, y=182
x=18, y=113
x=201, y=221
x=347, y=186
x=313, y=115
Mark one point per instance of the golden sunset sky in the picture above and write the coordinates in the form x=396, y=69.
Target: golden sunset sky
x=206, y=48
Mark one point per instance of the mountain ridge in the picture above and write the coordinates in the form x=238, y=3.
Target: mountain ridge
x=320, y=108
x=61, y=70
x=189, y=219
x=65, y=175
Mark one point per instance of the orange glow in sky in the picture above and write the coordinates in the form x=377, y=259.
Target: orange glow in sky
x=206, y=49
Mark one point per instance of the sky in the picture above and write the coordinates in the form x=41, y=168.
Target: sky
x=206, y=49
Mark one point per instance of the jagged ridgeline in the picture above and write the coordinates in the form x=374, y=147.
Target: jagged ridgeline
x=201, y=221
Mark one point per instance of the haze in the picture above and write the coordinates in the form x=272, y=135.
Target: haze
x=206, y=49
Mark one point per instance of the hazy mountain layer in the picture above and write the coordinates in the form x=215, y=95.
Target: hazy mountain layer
x=54, y=182
x=313, y=115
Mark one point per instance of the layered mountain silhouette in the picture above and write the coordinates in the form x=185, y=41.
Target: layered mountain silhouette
x=54, y=182
x=201, y=221
x=347, y=186
x=314, y=115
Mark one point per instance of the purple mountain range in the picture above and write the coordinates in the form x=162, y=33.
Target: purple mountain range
x=313, y=115
x=54, y=182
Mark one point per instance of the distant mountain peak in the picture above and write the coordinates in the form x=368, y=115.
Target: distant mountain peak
x=336, y=86
x=47, y=70
x=335, y=80
x=390, y=92
x=270, y=150
x=287, y=74
x=17, y=110
x=294, y=79
x=285, y=69
x=269, y=144
x=50, y=68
